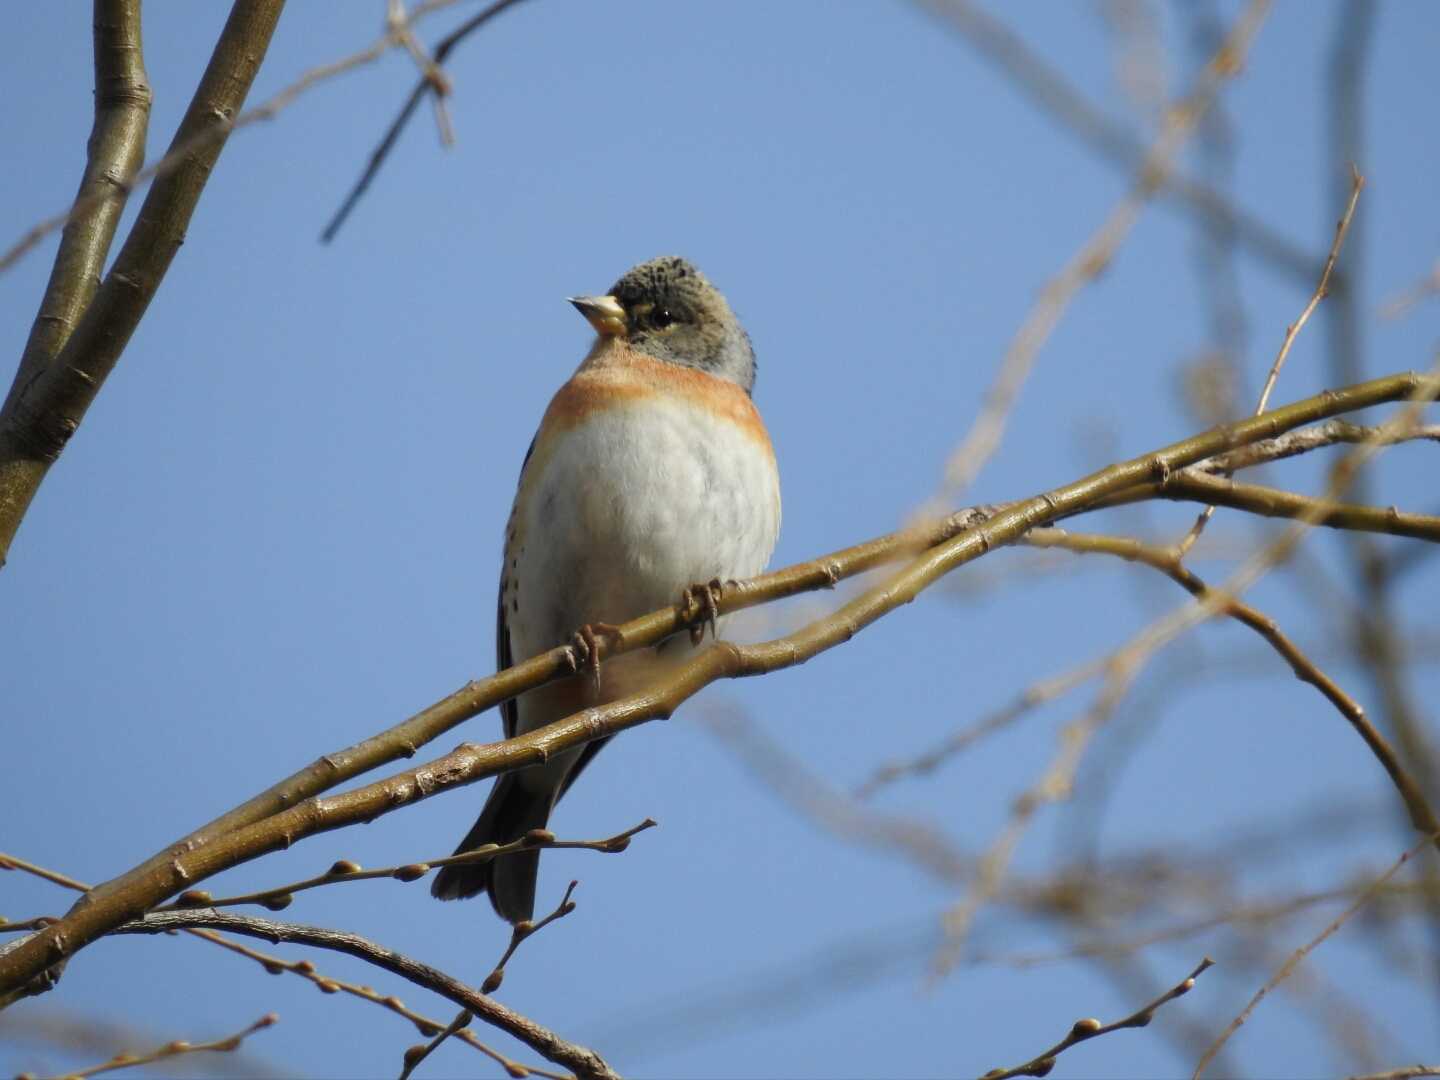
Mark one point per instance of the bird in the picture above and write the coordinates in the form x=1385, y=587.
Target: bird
x=651, y=472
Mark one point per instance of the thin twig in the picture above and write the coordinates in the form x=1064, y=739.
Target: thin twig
x=586, y=1063
x=423, y=86
x=418, y=1053
x=522, y=930
x=279, y=897
x=274, y=965
x=177, y=1048
x=1090, y=1028
x=1298, y=956
x=1322, y=290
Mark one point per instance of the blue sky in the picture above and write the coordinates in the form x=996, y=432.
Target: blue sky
x=278, y=530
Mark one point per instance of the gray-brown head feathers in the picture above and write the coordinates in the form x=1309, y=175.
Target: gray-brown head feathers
x=671, y=312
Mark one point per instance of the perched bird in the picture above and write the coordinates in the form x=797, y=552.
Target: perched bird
x=651, y=472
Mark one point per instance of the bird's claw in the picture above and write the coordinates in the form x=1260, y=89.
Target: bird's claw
x=702, y=601
x=585, y=647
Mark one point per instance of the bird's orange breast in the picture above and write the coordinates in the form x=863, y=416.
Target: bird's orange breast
x=617, y=376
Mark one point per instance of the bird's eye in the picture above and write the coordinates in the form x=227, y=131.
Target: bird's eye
x=661, y=318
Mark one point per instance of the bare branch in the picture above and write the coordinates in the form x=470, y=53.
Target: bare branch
x=1190, y=485
x=525, y=929
x=1090, y=1028
x=418, y=1053
x=280, y=896
x=1357, y=182
x=39, y=419
x=329, y=984
x=182, y=866
x=1330, y=433
x=169, y=1050
x=426, y=84
x=1299, y=955
x=113, y=154
x=584, y=1062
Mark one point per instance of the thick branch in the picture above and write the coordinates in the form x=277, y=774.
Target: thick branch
x=583, y=1061
x=47, y=410
x=115, y=151
x=135, y=892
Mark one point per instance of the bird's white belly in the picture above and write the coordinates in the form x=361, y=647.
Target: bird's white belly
x=632, y=505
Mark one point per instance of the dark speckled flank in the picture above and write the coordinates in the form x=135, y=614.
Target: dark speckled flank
x=674, y=314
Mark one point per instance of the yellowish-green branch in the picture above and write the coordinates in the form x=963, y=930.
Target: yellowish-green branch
x=257, y=828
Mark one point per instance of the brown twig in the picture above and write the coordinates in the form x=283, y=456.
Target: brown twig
x=522, y=930
x=426, y=84
x=279, y=897
x=176, y=869
x=414, y=1055
x=274, y=965
x=584, y=1062
x=1298, y=956
x=329, y=984
x=1090, y=1028
x=171, y=1049
x=1322, y=290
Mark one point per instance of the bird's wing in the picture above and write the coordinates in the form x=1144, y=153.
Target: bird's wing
x=504, y=657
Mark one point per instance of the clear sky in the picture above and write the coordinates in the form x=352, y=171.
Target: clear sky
x=278, y=530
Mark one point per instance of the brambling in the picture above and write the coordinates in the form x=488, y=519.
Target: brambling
x=651, y=471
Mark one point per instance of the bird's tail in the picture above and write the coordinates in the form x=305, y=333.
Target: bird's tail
x=510, y=812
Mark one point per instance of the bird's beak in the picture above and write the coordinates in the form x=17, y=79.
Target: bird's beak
x=604, y=313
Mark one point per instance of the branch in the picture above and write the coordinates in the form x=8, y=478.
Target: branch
x=1169, y=563
x=1190, y=485
x=525, y=928
x=584, y=1062
x=1357, y=182
x=279, y=897
x=113, y=154
x=133, y=893
x=1301, y=953
x=427, y=83
x=329, y=984
x=170, y=1050
x=1330, y=433
x=1090, y=1028
x=41, y=417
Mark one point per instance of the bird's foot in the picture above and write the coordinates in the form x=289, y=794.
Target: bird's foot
x=700, y=606
x=585, y=646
